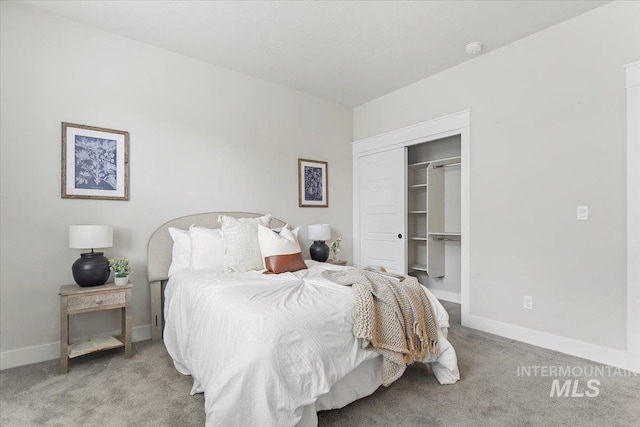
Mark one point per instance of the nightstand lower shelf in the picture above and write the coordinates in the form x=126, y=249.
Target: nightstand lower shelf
x=94, y=344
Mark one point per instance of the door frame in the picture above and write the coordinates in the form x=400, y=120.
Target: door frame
x=633, y=215
x=453, y=124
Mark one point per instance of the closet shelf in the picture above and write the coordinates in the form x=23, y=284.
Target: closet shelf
x=418, y=212
x=415, y=186
x=445, y=233
x=436, y=163
x=419, y=164
x=419, y=238
x=450, y=161
x=418, y=267
x=446, y=236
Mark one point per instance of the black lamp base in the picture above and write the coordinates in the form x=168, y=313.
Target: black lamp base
x=319, y=251
x=91, y=269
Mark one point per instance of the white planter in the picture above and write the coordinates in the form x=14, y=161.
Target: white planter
x=121, y=281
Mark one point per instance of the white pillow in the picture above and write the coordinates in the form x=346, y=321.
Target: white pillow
x=280, y=251
x=207, y=250
x=272, y=243
x=240, y=237
x=295, y=231
x=181, y=252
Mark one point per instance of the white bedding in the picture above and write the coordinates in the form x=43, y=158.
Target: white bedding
x=271, y=350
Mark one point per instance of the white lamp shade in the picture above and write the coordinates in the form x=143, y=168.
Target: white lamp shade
x=321, y=232
x=90, y=236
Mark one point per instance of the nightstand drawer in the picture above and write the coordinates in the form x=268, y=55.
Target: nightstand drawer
x=83, y=302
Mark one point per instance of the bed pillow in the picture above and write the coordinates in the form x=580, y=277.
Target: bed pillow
x=280, y=251
x=181, y=252
x=207, y=250
x=240, y=239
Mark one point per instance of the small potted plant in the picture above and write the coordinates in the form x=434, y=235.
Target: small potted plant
x=335, y=248
x=120, y=268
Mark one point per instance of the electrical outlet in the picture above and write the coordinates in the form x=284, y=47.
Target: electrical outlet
x=582, y=213
x=527, y=302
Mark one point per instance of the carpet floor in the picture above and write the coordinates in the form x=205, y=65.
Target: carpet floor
x=104, y=389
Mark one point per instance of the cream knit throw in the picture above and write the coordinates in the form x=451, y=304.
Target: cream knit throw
x=393, y=318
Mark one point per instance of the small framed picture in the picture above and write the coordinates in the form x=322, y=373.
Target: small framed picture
x=313, y=189
x=95, y=163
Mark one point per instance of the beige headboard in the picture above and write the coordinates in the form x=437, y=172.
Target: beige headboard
x=159, y=256
x=161, y=244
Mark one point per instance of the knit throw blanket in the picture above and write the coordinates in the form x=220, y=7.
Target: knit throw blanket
x=393, y=317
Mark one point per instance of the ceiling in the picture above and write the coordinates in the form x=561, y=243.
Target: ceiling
x=345, y=51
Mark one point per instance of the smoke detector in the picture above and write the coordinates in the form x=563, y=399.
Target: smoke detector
x=473, y=48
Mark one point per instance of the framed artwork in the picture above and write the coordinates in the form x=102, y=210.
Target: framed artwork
x=95, y=163
x=313, y=189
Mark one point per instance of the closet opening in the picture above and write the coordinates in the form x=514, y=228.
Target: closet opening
x=433, y=206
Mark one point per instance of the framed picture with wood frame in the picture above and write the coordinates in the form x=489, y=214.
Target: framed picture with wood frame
x=313, y=184
x=95, y=163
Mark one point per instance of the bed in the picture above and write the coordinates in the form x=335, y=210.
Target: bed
x=267, y=350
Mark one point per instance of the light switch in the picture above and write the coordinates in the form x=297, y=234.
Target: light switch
x=583, y=213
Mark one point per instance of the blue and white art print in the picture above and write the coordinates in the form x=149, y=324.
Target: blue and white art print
x=312, y=183
x=95, y=166
x=95, y=163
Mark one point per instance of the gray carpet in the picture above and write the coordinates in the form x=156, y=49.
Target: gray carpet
x=106, y=390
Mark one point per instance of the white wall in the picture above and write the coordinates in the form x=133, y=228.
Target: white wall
x=547, y=134
x=202, y=139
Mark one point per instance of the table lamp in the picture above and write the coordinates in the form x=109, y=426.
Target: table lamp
x=92, y=268
x=319, y=233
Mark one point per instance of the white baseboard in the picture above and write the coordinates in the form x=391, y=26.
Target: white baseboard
x=43, y=352
x=593, y=352
x=446, y=295
x=596, y=353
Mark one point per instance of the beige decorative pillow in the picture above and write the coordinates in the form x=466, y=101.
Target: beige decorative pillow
x=240, y=239
x=280, y=251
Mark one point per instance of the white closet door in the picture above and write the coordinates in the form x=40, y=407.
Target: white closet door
x=382, y=210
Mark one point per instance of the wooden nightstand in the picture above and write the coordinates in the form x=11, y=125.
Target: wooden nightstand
x=341, y=262
x=75, y=300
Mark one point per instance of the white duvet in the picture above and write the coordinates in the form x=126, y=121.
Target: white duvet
x=271, y=350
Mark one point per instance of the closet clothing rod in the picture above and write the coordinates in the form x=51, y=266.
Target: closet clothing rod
x=447, y=165
x=453, y=239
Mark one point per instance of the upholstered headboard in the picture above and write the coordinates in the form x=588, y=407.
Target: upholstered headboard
x=161, y=244
x=159, y=256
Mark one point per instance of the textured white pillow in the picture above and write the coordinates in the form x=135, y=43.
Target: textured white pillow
x=181, y=252
x=240, y=236
x=207, y=250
